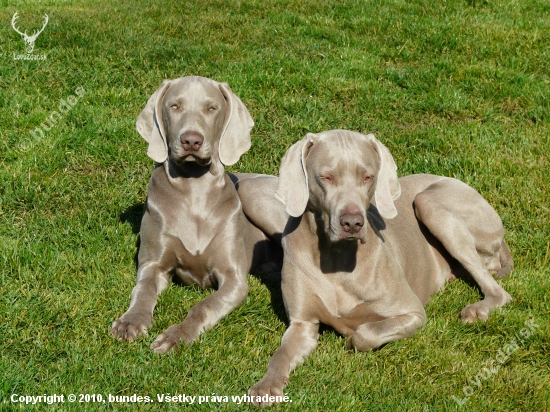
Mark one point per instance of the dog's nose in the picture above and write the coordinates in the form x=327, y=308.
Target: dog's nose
x=352, y=222
x=191, y=141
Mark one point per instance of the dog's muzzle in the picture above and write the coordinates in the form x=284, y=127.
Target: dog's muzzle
x=350, y=225
x=191, y=149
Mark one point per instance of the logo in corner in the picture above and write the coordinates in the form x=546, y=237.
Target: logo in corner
x=30, y=40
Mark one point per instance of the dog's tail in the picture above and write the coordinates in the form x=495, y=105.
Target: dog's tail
x=506, y=261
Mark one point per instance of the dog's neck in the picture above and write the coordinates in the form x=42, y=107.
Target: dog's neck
x=192, y=170
x=194, y=179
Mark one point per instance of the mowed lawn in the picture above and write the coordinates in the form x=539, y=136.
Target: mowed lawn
x=458, y=88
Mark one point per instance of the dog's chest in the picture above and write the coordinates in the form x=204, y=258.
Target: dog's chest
x=194, y=233
x=345, y=294
x=197, y=250
x=191, y=221
x=333, y=305
x=341, y=299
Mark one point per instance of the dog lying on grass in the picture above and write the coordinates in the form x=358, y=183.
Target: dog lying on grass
x=364, y=250
x=193, y=227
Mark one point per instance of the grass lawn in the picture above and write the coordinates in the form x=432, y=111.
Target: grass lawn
x=458, y=88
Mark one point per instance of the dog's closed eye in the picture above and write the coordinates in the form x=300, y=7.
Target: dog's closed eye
x=326, y=178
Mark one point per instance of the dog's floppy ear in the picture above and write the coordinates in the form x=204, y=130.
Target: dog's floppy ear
x=235, y=136
x=388, y=188
x=293, y=188
x=150, y=124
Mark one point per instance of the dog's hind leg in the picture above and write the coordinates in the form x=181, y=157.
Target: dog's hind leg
x=471, y=231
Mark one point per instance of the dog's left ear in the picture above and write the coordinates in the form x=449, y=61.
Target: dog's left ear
x=388, y=188
x=235, y=137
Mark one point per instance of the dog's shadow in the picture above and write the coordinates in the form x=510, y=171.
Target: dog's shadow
x=133, y=215
x=273, y=284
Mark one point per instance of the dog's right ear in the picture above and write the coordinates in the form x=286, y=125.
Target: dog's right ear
x=293, y=188
x=150, y=124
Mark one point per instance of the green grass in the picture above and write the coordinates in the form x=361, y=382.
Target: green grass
x=458, y=88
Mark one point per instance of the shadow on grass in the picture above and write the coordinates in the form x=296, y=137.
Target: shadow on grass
x=273, y=285
x=133, y=215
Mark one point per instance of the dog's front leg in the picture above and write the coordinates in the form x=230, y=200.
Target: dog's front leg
x=372, y=335
x=151, y=281
x=298, y=342
x=232, y=290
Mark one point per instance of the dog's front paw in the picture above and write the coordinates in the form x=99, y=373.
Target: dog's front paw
x=171, y=338
x=131, y=325
x=264, y=393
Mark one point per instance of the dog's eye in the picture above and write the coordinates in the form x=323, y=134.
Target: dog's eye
x=212, y=108
x=174, y=106
x=367, y=179
x=325, y=178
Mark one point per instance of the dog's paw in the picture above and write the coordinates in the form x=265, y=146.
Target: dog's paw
x=362, y=342
x=474, y=312
x=171, y=338
x=131, y=325
x=480, y=310
x=264, y=393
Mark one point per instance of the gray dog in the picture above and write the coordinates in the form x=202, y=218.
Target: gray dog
x=364, y=250
x=193, y=227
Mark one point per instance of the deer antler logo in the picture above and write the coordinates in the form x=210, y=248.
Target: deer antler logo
x=29, y=39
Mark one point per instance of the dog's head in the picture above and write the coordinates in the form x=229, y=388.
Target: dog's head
x=195, y=121
x=336, y=174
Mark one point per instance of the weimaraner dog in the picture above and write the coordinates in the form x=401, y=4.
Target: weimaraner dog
x=193, y=226
x=364, y=250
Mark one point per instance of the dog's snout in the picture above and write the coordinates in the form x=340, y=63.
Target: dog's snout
x=191, y=141
x=352, y=222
